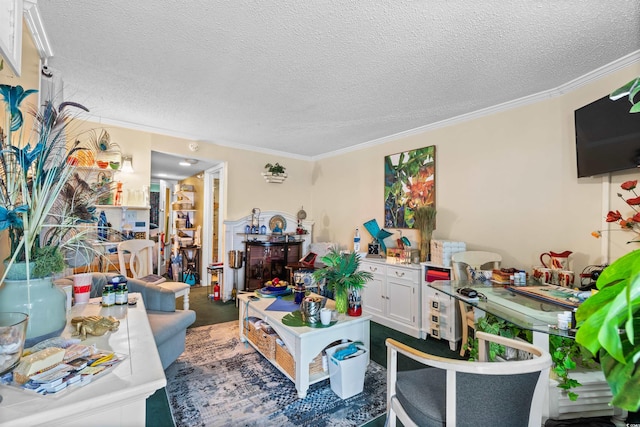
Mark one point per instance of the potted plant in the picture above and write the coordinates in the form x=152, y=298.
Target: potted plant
x=609, y=327
x=42, y=202
x=341, y=275
x=274, y=173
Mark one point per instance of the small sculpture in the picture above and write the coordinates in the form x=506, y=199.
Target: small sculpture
x=94, y=325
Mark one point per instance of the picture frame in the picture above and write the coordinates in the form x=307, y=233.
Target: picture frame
x=11, y=12
x=409, y=182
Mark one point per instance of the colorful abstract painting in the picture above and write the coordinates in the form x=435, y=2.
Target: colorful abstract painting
x=409, y=182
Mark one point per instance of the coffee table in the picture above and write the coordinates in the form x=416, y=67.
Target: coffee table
x=304, y=342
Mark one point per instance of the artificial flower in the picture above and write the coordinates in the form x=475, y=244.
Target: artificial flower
x=629, y=185
x=630, y=223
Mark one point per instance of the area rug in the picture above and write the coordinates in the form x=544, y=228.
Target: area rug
x=220, y=381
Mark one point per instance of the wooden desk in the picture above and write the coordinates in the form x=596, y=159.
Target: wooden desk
x=117, y=398
x=304, y=342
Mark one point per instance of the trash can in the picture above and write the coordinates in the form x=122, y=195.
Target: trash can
x=347, y=376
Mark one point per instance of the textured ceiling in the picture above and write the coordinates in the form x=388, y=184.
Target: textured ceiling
x=313, y=77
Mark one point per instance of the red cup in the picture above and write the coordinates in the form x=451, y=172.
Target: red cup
x=82, y=287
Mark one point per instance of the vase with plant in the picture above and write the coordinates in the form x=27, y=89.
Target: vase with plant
x=43, y=201
x=341, y=275
x=425, y=222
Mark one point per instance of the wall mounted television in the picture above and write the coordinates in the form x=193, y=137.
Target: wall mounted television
x=607, y=137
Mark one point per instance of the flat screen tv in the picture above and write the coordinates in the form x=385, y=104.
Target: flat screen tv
x=607, y=137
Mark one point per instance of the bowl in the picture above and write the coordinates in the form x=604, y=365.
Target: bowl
x=114, y=165
x=102, y=164
x=13, y=332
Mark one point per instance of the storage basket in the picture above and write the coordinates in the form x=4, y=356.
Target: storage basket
x=285, y=360
x=264, y=340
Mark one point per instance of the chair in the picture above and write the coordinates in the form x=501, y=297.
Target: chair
x=453, y=392
x=141, y=267
x=475, y=260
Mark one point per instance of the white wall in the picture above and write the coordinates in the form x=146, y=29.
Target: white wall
x=505, y=183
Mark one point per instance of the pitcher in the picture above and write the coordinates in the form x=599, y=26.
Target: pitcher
x=556, y=261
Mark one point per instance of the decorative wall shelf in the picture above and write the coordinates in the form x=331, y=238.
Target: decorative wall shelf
x=274, y=178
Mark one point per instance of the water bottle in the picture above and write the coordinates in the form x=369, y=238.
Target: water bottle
x=356, y=241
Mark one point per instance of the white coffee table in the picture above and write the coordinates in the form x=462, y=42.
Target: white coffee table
x=304, y=342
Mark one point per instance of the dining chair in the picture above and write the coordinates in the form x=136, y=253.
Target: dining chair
x=140, y=266
x=475, y=260
x=454, y=392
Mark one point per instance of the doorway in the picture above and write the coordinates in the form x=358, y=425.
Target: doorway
x=209, y=177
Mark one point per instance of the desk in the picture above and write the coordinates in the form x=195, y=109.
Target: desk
x=304, y=342
x=115, y=399
x=539, y=316
x=527, y=313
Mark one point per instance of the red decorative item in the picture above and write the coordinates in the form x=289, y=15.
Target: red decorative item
x=355, y=310
x=216, y=292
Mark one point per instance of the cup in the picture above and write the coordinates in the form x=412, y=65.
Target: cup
x=82, y=287
x=566, y=278
x=564, y=320
x=543, y=274
x=325, y=316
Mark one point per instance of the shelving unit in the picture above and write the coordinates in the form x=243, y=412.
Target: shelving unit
x=184, y=217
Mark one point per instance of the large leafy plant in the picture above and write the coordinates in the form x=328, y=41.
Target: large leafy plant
x=609, y=327
x=341, y=274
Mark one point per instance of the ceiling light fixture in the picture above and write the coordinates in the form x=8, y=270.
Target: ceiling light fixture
x=188, y=162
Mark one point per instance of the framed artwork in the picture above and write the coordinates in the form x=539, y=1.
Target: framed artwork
x=409, y=182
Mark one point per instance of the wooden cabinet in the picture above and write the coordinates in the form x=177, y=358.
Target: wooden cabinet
x=392, y=297
x=267, y=260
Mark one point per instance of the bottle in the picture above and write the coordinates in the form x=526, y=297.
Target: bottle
x=119, y=295
x=356, y=241
x=108, y=296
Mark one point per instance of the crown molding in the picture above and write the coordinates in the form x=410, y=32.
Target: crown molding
x=36, y=27
x=588, y=78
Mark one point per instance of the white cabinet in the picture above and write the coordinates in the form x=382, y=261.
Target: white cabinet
x=392, y=297
x=440, y=312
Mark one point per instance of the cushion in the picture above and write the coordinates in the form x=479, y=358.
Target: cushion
x=422, y=394
x=481, y=400
x=164, y=324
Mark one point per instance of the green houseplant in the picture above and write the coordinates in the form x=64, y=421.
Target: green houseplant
x=566, y=353
x=609, y=327
x=276, y=169
x=340, y=275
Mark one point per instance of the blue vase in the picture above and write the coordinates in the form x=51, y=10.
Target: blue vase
x=44, y=302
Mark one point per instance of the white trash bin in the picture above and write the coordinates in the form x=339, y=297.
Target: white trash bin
x=347, y=376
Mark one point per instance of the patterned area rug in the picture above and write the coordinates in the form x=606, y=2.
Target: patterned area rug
x=220, y=381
